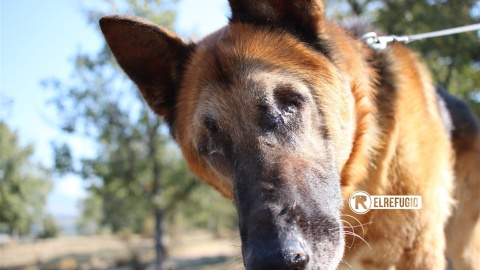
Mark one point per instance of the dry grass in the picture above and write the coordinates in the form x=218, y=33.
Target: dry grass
x=197, y=251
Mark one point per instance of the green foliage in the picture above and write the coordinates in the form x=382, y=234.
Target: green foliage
x=209, y=210
x=90, y=221
x=158, y=11
x=24, y=186
x=137, y=169
x=454, y=60
x=49, y=226
x=62, y=158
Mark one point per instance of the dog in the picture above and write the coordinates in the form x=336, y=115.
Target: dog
x=287, y=114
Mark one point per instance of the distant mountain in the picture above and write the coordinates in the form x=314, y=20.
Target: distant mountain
x=67, y=224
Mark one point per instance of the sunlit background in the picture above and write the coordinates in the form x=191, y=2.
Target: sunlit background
x=39, y=40
x=45, y=51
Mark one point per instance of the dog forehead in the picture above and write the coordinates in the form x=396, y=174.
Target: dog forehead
x=250, y=59
x=242, y=97
x=239, y=46
x=235, y=68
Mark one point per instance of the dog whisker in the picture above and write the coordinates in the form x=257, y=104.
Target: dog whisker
x=345, y=262
x=363, y=231
x=226, y=265
x=360, y=225
x=345, y=232
x=361, y=238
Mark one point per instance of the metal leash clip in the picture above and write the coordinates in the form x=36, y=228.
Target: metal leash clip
x=380, y=43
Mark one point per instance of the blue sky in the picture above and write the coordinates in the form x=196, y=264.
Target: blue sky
x=38, y=41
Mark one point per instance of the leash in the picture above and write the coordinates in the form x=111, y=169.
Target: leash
x=381, y=42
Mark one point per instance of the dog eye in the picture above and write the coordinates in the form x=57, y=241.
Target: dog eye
x=210, y=125
x=207, y=147
x=287, y=99
x=296, y=100
x=289, y=108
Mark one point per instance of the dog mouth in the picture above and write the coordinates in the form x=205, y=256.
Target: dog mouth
x=292, y=254
x=277, y=254
x=290, y=224
x=272, y=241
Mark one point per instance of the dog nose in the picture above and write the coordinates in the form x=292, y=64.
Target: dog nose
x=292, y=256
x=295, y=257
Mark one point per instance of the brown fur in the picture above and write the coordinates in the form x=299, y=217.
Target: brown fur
x=384, y=132
x=463, y=228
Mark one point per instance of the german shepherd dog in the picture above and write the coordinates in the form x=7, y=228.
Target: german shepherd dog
x=288, y=114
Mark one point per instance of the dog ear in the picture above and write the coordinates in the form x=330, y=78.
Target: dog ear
x=302, y=18
x=150, y=55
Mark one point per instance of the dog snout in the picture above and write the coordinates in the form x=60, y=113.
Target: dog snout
x=292, y=255
x=295, y=255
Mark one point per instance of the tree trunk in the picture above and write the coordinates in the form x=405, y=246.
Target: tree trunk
x=159, y=232
x=153, y=126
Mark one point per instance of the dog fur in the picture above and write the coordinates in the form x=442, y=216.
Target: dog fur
x=288, y=114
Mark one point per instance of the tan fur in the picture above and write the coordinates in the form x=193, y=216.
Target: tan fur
x=283, y=49
x=390, y=143
x=410, y=135
x=463, y=230
x=384, y=123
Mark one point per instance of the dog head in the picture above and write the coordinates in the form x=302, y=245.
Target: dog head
x=262, y=112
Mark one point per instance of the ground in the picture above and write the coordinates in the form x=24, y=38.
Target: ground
x=195, y=251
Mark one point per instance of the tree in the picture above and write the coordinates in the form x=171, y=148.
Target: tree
x=453, y=60
x=137, y=170
x=128, y=170
x=91, y=220
x=24, y=186
x=50, y=228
